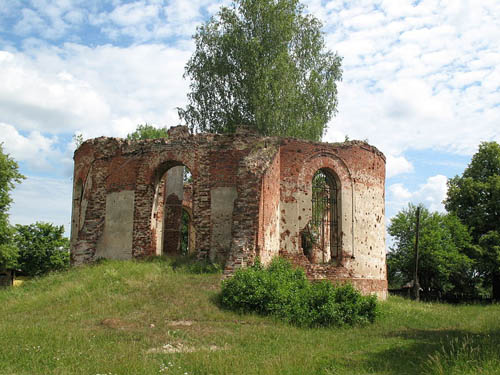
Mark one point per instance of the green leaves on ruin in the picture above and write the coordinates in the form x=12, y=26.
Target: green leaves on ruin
x=147, y=131
x=262, y=63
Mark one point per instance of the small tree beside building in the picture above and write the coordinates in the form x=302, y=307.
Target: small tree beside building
x=9, y=175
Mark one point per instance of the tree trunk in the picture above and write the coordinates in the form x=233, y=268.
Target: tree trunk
x=496, y=286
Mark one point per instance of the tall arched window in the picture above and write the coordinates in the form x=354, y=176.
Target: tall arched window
x=322, y=231
x=171, y=224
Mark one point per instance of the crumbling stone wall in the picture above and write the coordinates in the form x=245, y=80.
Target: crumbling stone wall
x=249, y=196
x=269, y=213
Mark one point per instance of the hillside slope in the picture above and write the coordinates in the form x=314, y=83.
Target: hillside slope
x=147, y=318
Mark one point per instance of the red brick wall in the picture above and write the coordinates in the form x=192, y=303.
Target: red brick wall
x=268, y=236
x=272, y=177
x=107, y=164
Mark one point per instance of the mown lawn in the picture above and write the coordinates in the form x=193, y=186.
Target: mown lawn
x=147, y=318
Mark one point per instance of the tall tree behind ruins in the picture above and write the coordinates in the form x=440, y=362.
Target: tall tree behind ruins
x=262, y=63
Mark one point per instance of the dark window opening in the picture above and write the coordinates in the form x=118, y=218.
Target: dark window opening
x=185, y=232
x=172, y=223
x=320, y=236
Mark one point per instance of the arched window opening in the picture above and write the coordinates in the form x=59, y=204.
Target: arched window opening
x=320, y=237
x=186, y=233
x=172, y=223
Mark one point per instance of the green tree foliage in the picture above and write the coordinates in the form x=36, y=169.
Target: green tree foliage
x=8, y=250
x=445, y=269
x=475, y=198
x=284, y=292
x=9, y=175
x=42, y=248
x=78, y=139
x=147, y=131
x=262, y=63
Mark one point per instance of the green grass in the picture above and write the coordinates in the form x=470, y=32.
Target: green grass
x=149, y=318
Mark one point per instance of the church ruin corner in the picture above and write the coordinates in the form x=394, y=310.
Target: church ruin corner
x=231, y=199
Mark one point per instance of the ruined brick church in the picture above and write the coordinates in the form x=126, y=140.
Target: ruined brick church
x=233, y=198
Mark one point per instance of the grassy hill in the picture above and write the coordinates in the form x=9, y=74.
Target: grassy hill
x=149, y=318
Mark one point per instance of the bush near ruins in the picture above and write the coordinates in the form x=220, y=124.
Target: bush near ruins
x=284, y=292
x=42, y=248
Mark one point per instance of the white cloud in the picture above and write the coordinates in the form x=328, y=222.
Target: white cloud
x=34, y=96
x=42, y=199
x=366, y=20
x=35, y=149
x=431, y=194
x=75, y=16
x=396, y=165
x=49, y=19
x=99, y=91
x=154, y=21
x=408, y=73
x=399, y=192
x=30, y=22
x=134, y=13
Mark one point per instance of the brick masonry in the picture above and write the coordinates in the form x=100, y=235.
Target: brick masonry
x=267, y=182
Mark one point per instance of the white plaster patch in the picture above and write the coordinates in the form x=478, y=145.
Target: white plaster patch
x=116, y=240
x=221, y=215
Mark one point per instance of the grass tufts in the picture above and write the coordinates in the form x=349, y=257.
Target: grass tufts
x=147, y=317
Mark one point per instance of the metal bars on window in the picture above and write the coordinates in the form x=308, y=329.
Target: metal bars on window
x=324, y=222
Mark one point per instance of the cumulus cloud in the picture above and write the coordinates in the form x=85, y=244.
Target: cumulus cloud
x=42, y=199
x=431, y=194
x=49, y=19
x=98, y=91
x=399, y=192
x=414, y=76
x=154, y=20
x=396, y=165
x=34, y=96
x=35, y=149
x=134, y=13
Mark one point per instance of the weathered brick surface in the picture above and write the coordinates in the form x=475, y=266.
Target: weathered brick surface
x=272, y=178
x=269, y=239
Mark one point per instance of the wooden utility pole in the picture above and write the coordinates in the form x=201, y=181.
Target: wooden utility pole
x=416, y=284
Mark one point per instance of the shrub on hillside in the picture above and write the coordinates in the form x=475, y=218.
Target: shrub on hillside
x=284, y=292
x=42, y=248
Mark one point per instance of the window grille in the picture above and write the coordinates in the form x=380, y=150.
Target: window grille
x=324, y=222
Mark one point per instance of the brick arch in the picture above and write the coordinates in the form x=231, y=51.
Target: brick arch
x=326, y=160
x=167, y=206
x=149, y=174
x=157, y=170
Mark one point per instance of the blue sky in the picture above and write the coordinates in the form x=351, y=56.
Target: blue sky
x=421, y=82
